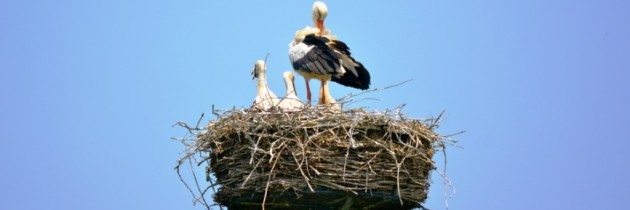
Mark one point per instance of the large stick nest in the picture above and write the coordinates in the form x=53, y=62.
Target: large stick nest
x=319, y=158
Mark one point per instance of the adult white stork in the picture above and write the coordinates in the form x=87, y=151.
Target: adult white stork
x=301, y=46
x=320, y=11
x=265, y=99
x=319, y=57
x=290, y=102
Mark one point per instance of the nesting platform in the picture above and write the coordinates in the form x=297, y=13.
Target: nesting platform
x=319, y=159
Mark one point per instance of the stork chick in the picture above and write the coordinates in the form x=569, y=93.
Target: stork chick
x=290, y=102
x=265, y=98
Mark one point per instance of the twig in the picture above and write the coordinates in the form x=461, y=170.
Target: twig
x=215, y=113
x=306, y=179
x=182, y=179
x=252, y=172
x=199, y=120
x=269, y=179
x=350, y=95
x=444, y=179
x=197, y=183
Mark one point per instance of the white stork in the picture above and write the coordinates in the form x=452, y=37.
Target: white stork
x=318, y=57
x=325, y=58
x=320, y=11
x=265, y=99
x=290, y=102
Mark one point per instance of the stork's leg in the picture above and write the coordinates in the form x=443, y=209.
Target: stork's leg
x=308, y=92
x=325, y=96
x=322, y=93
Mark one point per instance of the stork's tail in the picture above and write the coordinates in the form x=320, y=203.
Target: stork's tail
x=359, y=81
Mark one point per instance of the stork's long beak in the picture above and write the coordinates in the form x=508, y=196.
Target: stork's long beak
x=320, y=25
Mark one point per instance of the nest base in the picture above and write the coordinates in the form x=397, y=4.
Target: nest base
x=321, y=199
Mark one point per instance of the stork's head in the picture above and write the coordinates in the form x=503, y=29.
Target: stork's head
x=288, y=75
x=320, y=11
x=259, y=68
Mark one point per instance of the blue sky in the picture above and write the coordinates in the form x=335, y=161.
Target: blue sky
x=90, y=90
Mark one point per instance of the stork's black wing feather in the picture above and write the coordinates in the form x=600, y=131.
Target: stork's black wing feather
x=320, y=55
x=342, y=47
x=361, y=79
x=320, y=59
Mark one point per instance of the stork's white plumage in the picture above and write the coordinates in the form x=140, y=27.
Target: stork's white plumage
x=265, y=98
x=290, y=102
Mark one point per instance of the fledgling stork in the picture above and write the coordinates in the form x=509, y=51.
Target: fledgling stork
x=290, y=102
x=265, y=99
x=319, y=57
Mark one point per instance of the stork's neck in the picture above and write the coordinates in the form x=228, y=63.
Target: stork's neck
x=290, y=86
x=320, y=26
x=262, y=81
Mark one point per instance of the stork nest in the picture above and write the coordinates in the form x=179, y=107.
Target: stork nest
x=318, y=158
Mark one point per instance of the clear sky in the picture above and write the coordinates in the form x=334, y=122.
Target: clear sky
x=89, y=91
